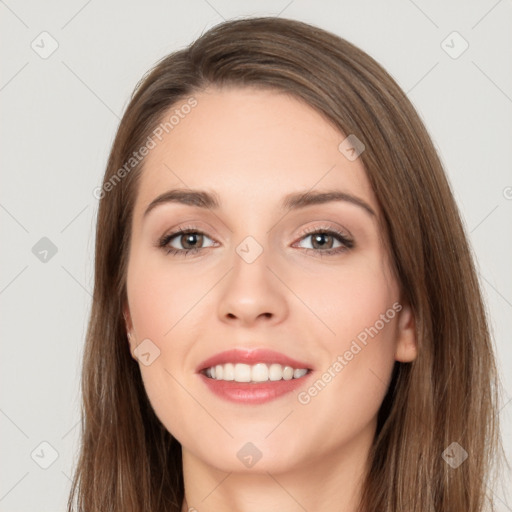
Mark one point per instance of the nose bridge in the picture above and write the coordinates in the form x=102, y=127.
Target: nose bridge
x=251, y=289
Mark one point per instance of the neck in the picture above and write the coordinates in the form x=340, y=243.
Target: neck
x=331, y=483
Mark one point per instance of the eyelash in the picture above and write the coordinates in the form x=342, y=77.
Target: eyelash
x=347, y=243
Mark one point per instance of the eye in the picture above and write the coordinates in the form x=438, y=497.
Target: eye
x=323, y=240
x=189, y=238
x=191, y=241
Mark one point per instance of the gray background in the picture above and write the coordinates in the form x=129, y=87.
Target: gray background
x=60, y=112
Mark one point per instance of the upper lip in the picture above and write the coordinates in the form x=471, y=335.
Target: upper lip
x=252, y=356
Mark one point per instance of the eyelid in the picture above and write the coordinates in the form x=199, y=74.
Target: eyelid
x=345, y=238
x=196, y=226
x=306, y=231
x=327, y=226
x=343, y=234
x=177, y=231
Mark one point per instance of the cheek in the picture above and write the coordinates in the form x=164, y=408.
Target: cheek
x=170, y=309
x=353, y=300
x=159, y=300
x=164, y=308
x=360, y=309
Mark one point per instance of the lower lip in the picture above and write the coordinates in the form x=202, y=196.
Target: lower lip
x=253, y=392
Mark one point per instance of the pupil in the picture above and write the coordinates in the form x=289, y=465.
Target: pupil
x=189, y=238
x=319, y=237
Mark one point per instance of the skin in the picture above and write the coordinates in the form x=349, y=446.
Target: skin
x=252, y=147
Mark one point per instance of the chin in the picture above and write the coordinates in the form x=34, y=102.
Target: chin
x=248, y=454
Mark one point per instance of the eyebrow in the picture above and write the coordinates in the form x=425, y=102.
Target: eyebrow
x=293, y=201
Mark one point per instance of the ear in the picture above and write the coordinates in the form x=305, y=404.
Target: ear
x=406, y=343
x=129, y=329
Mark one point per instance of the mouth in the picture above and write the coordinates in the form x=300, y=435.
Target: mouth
x=260, y=372
x=253, y=376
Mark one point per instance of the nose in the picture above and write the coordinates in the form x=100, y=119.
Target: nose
x=252, y=292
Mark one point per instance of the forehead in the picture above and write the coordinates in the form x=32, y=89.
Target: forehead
x=250, y=146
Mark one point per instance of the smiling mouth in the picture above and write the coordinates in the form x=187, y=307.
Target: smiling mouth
x=256, y=373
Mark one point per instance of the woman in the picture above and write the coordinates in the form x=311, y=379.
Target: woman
x=286, y=315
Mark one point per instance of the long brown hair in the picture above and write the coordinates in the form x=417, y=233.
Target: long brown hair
x=128, y=461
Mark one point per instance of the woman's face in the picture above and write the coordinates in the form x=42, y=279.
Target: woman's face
x=260, y=280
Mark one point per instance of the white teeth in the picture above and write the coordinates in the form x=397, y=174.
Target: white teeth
x=229, y=372
x=259, y=372
x=275, y=372
x=297, y=374
x=242, y=373
x=287, y=373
